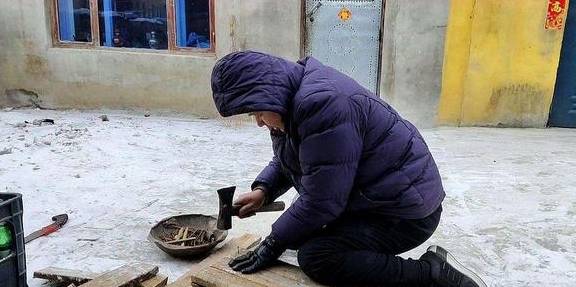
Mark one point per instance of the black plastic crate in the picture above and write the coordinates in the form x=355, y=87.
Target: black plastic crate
x=13, y=267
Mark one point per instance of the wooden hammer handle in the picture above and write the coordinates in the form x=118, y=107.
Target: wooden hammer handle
x=274, y=206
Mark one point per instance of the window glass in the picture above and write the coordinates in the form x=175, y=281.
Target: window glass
x=74, y=20
x=193, y=23
x=133, y=23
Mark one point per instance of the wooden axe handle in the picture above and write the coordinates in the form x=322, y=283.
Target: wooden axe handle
x=274, y=206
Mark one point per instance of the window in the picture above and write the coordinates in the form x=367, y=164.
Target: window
x=192, y=23
x=74, y=21
x=174, y=25
x=133, y=23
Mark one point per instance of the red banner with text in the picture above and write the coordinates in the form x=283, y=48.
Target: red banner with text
x=556, y=14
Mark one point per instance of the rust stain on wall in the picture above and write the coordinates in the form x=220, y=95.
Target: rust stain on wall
x=517, y=104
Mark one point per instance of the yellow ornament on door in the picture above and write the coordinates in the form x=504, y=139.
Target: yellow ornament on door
x=345, y=14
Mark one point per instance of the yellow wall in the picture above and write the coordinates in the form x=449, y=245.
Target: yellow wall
x=499, y=65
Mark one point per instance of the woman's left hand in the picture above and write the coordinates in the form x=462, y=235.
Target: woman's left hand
x=263, y=256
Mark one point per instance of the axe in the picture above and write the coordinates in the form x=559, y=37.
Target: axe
x=227, y=210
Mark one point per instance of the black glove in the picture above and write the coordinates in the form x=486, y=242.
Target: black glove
x=263, y=256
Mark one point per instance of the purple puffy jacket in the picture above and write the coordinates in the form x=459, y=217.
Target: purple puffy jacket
x=345, y=150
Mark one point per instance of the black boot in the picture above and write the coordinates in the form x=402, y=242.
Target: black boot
x=447, y=272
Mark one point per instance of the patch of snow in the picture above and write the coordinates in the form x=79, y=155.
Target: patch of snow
x=510, y=211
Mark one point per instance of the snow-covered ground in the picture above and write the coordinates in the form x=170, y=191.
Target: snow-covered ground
x=510, y=212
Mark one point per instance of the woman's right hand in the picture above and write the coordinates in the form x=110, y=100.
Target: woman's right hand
x=250, y=202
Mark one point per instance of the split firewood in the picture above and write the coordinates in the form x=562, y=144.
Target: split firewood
x=181, y=240
x=184, y=236
x=201, y=235
x=179, y=235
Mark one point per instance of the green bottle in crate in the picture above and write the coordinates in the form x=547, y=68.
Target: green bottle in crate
x=5, y=241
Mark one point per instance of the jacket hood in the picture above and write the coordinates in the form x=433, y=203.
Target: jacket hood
x=244, y=82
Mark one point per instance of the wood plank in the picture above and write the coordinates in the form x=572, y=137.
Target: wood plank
x=279, y=275
x=292, y=272
x=124, y=276
x=157, y=281
x=212, y=277
x=230, y=248
x=289, y=270
x=62, y=275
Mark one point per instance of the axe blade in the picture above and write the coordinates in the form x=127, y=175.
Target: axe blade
x=225, y=196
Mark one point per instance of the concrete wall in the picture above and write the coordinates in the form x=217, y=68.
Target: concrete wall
x=117, y=78
x=123, y=78
x=412, y=53
x=500, y=64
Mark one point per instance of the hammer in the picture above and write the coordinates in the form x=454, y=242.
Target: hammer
x=227, y=210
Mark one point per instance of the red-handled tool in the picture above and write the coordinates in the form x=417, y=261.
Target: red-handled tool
x=59, y=221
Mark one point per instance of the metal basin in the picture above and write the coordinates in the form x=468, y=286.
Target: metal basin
x=192, y=221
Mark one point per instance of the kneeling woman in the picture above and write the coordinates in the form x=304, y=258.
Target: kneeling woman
x=369, y=188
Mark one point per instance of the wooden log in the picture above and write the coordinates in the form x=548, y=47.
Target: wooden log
x=230, y=248
x=126, y=275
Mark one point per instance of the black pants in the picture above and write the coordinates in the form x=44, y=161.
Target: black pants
x=363, y=251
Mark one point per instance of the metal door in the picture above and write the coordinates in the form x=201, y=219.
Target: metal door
x=346, y=36
x=563, y=112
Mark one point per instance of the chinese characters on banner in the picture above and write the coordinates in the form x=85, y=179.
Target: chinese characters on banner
x=556, y=14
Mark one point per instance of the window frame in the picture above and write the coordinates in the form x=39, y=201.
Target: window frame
x=95, y=30
x=56, y=42
x=172, y=46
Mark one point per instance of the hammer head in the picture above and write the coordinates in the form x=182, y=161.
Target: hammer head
x=225, y=196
